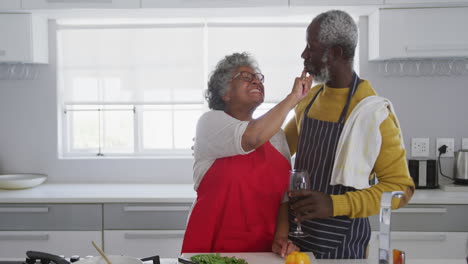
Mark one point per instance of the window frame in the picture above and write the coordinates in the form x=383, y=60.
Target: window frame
x=65, y=132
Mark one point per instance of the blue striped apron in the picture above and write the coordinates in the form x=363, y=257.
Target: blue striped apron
x=336, y=237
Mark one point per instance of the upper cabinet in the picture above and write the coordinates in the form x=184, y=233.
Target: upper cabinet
x=334, y=2
x=211, y=3
x=418, y=33
x=415, y=2
x=24, y=38
x=10, y=4
x=63, y=4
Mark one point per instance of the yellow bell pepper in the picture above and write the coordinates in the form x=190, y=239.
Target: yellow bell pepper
x=297, y=258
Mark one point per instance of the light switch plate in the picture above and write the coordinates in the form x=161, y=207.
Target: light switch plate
x=465, y=143
x=420, y=147
x=449, y=142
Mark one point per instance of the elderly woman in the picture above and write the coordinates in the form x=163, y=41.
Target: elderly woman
x=241, y=168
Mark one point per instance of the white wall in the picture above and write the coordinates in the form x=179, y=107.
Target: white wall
x=426, y=106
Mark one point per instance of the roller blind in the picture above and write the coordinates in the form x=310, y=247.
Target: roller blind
x=276, y=46
x=136, y=64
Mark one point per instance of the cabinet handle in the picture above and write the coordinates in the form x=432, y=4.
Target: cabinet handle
x=79, y=1
x=417, y=237
x=421, y=211
x=25, y=237
x=24, y=209
x=155, y=235
x=412, y=49
x=156, y=208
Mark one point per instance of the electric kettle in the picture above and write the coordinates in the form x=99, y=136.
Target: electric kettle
x=460, y=174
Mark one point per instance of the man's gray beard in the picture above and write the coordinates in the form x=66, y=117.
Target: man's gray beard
x=323, y=76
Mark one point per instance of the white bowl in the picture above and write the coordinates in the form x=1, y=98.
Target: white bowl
x=21, y=181
x=113, y=258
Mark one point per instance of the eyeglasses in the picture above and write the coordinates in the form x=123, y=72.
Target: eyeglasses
x=249, y=77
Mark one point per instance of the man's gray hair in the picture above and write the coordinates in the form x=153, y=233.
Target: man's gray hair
x=222, y=75
x=338, y=28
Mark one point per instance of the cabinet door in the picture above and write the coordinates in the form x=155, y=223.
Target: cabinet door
x=25, y=38
x=427, y=218
x=50, y=217
x=161, y=216
x=51, y=4
x=412, y=2
x=144, y=243
x=14, y=244
x=335, y=2
x=10, y=4
x=424, y=245
x=403, y=33
x=210, y=3
x=15, y=47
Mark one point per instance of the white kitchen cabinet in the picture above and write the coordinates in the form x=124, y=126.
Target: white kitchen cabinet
x=24, y=38
x=144, y=243
x=211, y=4
x=62, y=4
x=14, y=244
x=61, y=229
x=425, y=245
x=10, y=4
x=427, y=218
x=426, y=231
x=335, y=2
x=144, y=230
x=418, y=33
x=415, y=2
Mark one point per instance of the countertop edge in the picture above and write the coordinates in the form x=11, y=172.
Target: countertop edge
x=162, y=193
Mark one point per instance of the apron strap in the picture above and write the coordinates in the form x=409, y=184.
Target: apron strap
x=353, y=85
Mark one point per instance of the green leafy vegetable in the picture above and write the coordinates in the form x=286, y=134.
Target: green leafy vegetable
x=216, y=259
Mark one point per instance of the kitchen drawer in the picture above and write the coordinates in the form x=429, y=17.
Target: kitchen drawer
x=431, y=218
x=425, y=245
x=145, y=216
x=14, y=244
x=50, y=217
x=144, y=243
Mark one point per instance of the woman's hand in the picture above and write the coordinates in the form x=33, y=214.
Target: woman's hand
x=283, y=246
x=301, y=86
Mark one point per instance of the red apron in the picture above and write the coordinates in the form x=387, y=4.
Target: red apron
x=237, y=203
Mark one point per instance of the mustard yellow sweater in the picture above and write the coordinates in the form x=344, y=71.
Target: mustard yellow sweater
x=390, y=167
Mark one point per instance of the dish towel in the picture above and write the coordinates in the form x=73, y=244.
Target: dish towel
x=360, y=142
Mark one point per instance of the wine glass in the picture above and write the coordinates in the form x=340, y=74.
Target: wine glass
x=298, y=180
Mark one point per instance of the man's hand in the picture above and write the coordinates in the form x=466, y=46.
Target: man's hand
x=283, y=247
x=311, y=205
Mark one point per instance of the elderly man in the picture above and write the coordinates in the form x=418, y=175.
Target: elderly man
x=343, y=135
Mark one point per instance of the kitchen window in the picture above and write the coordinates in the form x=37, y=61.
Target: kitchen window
x=132, y=89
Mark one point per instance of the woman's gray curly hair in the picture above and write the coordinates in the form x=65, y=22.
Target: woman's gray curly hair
x=222, y=75
x=338, y=28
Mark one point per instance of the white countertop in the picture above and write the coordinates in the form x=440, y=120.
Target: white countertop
x=270, y=258
x=163, y=193
x=101, y=193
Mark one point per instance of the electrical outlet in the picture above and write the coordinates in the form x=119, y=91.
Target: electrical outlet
x=449, y=142
x=465, y=143
x=420, y=147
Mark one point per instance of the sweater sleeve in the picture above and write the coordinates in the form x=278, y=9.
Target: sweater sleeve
x=292, y=136
x=219, y=135
x=392, y=174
